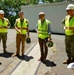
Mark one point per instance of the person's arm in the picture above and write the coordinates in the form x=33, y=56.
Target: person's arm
x=16, y=27
x=37, y=28
x=28, y=31
x=63, y=24
x=49, y=32
x=28, y=28
x=9, y=24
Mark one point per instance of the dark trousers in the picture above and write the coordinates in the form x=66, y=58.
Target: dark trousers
x=43, y=48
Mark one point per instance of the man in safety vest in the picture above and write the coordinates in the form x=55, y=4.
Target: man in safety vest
x=4, y=24
x=68, y=24
x=21, y=26
x=44, y=33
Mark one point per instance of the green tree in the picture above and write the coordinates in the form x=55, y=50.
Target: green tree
x=11, y=9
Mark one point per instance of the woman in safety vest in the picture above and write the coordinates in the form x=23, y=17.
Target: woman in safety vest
x=44, y=34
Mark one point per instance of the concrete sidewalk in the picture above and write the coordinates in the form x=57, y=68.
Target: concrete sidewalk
x=29, y=68
x=31, y=65
x=8, y=63
x=56, y=66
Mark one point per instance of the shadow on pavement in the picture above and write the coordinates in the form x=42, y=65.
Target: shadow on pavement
x=0, y=63
x=6, y=55
x=49, y=63
x=26, y=58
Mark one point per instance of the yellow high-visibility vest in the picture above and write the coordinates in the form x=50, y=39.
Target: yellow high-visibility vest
x=69, y=25
x=23, y=27
x=3, y=25
x=43, y=29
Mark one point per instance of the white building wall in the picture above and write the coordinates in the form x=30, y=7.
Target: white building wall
x=55, y=12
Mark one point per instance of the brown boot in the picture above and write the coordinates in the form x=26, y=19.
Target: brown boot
x=23, y=56
x=4, y=51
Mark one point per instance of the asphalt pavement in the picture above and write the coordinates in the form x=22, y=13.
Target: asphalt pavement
x=30, y=65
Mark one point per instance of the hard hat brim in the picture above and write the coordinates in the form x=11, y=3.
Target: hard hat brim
x=41, y=13
x=1, y=12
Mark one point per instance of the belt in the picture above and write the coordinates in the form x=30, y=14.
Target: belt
x=69, y=28
x=5, y=27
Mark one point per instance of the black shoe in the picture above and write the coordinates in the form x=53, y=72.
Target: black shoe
x=44, y=60
x=22, y=56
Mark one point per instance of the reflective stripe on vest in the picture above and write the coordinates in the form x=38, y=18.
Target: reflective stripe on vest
x=43, y=29
x=24, y=26
x=69, y=25
x=3, y=25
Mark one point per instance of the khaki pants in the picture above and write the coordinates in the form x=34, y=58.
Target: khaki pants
x=20, y=40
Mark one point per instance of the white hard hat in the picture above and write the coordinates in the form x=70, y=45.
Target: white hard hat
x=71, y=65
x=1, y=12
x=41, y=13
x=21, y=12
x=70, y=7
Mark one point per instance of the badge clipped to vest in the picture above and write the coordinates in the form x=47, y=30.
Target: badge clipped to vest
x=28, y=40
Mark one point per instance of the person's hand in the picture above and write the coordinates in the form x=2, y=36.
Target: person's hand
x=17, y=29
x=0, y=26
x=49, y=39
x=37, y=32
x=19, y=32
x=73, y=31
x=65, y=28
